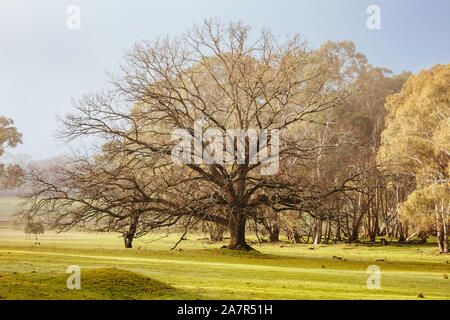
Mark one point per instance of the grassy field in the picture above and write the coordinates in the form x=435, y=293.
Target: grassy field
x=199, y=270
x=32, y=269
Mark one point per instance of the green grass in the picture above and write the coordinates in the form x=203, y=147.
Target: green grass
x=32, y=269
x=102, y=283
x=199, y=270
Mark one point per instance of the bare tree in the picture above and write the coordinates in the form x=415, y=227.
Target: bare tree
x=227, y=79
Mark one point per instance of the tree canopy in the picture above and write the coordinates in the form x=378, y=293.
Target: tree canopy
x=416, y=142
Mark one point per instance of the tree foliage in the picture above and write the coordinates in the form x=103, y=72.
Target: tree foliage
x=416, y=143
x=10, y=175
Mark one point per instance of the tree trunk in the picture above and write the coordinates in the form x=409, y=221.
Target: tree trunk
x=445, y=238
x=354, y=235
x=373, y=224
x=439, y=233
x=440, y=240
x=444, y=230
x=128, y=240
x=237, y=232
x=128, y=235
x=445, y=242
x=374, y=217
x=328, y=235
x=403, y=231
x=296, y=237
x=274, y=235
x=317, y=231
x=338, y=233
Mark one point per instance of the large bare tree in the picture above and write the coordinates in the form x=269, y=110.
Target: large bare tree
x=217, y=78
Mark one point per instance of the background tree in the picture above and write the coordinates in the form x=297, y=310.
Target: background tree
x=10, y=175
x=416, y=143
x=35, y=228
x=427, y=210
x=351, y=133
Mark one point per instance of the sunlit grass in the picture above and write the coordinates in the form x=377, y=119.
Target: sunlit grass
x=102, y=283
x=277, y=271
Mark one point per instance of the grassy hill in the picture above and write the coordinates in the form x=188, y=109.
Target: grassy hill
x=102, y=283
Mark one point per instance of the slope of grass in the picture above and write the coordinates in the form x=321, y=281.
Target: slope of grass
x=102, y=283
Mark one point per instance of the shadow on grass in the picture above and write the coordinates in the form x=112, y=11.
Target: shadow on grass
x=96, y=284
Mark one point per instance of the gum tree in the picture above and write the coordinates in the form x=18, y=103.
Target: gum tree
x=416, y=144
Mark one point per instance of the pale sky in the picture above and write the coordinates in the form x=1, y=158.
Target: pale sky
x=43, y=64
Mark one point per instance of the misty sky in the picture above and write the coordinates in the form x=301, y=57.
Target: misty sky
x=43, y=64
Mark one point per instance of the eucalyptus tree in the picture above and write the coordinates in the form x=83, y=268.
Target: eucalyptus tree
x=416, y=144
